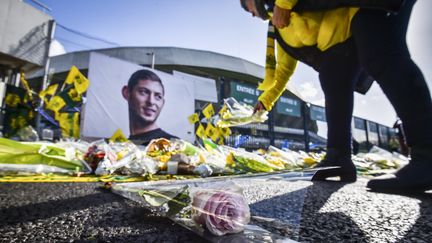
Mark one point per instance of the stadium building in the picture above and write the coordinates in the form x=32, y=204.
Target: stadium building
x=224, y=76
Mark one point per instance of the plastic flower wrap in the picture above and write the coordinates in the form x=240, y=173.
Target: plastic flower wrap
x=124, y=158
x=235, y=113
x=38, y=157
x=220, y=209
x=95, y=154
x=184, y=147
x=213, y=156
x=244, y=162
x=160, y=150
x=383, y=158
x=158, y=147
x=216, y=161
x=27, y=133
x=309, y=159
x=378, y=161
x=138, y=166
x=288, y=159
x=73, y=148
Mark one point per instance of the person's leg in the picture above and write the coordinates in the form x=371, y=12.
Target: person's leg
x=337, y=77
x=382, y=49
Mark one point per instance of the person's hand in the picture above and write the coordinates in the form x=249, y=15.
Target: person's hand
x=258, y=107
x=281, y=17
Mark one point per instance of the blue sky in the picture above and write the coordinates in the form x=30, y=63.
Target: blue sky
x=215, y=25
x=220, y=26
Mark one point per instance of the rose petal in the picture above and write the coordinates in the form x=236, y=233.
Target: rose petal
x=221, y=211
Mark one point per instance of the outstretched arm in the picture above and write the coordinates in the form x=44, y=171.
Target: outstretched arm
x=284, y=69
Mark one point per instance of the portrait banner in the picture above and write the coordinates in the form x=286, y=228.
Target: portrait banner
x=111, y=104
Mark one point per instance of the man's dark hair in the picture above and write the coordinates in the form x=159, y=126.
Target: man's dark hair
x=263, y=7
x=143, y=74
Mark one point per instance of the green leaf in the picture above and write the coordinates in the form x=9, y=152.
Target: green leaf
x=160, y=196
x=178, y=203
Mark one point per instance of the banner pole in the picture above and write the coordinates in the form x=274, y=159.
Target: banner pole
x=51, y=31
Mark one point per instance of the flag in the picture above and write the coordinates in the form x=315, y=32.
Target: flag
x=80, y=82
x=48, y=91
x=26, y=86
x=57, y=116
x=73, y=94
x=13, y=123
x=12, y=100
x=200, y=132
x=210, y=130
x=69, y=124
x=18, y=122
x=56, y=103
x=21, y=121
x=224, y=131
x=43, y=113
x=73, y=71
x=216, y=134
x=194, y=118
x=30, y=114
x=67, y=98
x=222, y=110
x=208, y=111
x=118, y=136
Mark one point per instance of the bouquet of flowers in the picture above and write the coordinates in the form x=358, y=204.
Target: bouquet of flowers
x=39, y=157
x=243, y=161
x=234, y=113
x=219, y=207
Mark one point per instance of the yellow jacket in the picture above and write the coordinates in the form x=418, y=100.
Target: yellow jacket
x=321, y=28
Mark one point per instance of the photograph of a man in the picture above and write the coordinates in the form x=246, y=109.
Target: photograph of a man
x=145, y=96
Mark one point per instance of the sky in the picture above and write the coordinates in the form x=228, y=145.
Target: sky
x=220, y=26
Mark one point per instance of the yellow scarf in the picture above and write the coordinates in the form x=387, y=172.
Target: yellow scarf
x=270, y=65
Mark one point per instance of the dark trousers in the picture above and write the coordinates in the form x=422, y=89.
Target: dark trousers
x=338, y=73
x=378, y=45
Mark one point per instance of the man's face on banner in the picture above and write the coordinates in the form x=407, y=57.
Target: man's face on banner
x=146, y=100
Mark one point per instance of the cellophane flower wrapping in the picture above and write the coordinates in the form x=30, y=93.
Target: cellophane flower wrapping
x=243, y=161
x=39, y=157
x=235, y=113
x=221, y=209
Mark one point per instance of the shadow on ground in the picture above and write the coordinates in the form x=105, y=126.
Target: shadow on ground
x=319, y=226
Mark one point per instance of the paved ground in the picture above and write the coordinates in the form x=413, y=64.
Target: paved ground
x=305, y=211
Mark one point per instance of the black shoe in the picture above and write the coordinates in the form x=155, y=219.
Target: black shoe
x=346, y=170
x=414, y=177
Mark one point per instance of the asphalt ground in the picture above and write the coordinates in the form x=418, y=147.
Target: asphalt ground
x=304, y=211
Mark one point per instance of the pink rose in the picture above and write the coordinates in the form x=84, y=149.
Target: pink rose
x=221, y=212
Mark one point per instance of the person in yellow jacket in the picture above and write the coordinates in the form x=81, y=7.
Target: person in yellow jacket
x=343, y=44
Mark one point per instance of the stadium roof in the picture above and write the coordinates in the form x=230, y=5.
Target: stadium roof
x=197, y=62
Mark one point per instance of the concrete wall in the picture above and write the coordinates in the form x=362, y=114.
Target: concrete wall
x=23, y=34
